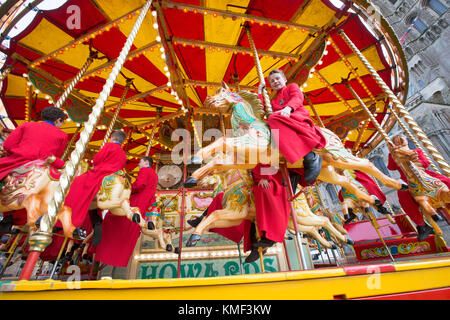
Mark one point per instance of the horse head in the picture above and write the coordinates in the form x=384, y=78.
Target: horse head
x=222, y=99
x=212, y=181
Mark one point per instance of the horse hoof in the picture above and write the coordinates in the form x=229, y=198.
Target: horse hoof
x=79, y=234
x=334, y=246
x=150, y=225
x=169, y=247
x=196, y=160
x=191, y=182
x=195, y=222
x=136, y=218
x=404, y=187
x=177, y=250
x=193, y=240
x=350, y=242
x=38, y=222
x=377, y=202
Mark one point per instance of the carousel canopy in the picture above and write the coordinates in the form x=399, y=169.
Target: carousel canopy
x=182, y=52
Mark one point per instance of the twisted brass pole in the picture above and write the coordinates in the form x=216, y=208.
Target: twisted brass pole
x=371, y=116
x=412, y=137
x=319, y=120
x=116, y=114
x=400, y=108
x=259, y=71
x=147, y=152
x=69, y=145
x=158, y=114
x=42, y=238
x=75, y=80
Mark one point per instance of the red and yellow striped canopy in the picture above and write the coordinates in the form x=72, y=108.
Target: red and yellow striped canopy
x=205, y=42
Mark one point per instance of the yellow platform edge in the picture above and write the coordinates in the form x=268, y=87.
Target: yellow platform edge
x=298, y=285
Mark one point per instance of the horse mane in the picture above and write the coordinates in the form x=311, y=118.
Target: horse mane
x=253, y=100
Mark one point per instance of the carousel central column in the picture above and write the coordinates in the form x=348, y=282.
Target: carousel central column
x=40, y=239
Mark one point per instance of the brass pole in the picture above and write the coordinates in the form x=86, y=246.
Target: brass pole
x=314, y=111
x=116, y=114
x=40, y=239
x=158, y=113
x=75, y=80
x=371, y=116
x=259, y=71
x=69, y=145
x=400, y=108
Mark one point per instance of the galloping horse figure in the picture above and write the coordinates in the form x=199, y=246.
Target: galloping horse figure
x=308, y=222
x=114, y=195
x=246, y=111
x=238, y=203
x=31, y=186
x=316, y=207
x=429, y=192
x=163, y=235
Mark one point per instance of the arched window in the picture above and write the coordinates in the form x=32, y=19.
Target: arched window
x=417, y=23
x=331, y=192
x=437, y=6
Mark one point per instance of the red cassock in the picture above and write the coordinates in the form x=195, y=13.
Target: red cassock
x=232, y=233
x=119, y=235
x=272, y=207
x=370, y=185
x=404, y=197
x=111, y=158
x=32, y=141
x=297, y=133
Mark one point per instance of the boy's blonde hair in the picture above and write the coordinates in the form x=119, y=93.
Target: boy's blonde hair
x=277, y=71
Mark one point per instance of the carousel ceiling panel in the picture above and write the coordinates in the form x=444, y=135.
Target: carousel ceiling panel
x=198, y=66
x=41, y=40
x=17, y=86
x=315, y=14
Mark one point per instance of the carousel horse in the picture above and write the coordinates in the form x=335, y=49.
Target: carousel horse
x=114, y=196
x=351, y=204
x=308, y=222
x=428, y=192
x=237, y=184
x=238, y=203
x=31, y=186
x=314, y=203
x=254, y=145
x=163, y=235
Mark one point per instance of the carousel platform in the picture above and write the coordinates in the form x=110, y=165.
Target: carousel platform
x=424, y=277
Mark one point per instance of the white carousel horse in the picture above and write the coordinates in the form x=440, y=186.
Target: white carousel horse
x=308, y=222
x=245, y=109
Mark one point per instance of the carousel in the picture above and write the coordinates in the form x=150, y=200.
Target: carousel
x=169, y=74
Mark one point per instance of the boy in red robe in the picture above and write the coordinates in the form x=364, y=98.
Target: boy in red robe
x=405, y=199
x=119, y=235
x=35, y=140
x=272, y=207
x=32, y=141
x=111, y=158
x=298, y=135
